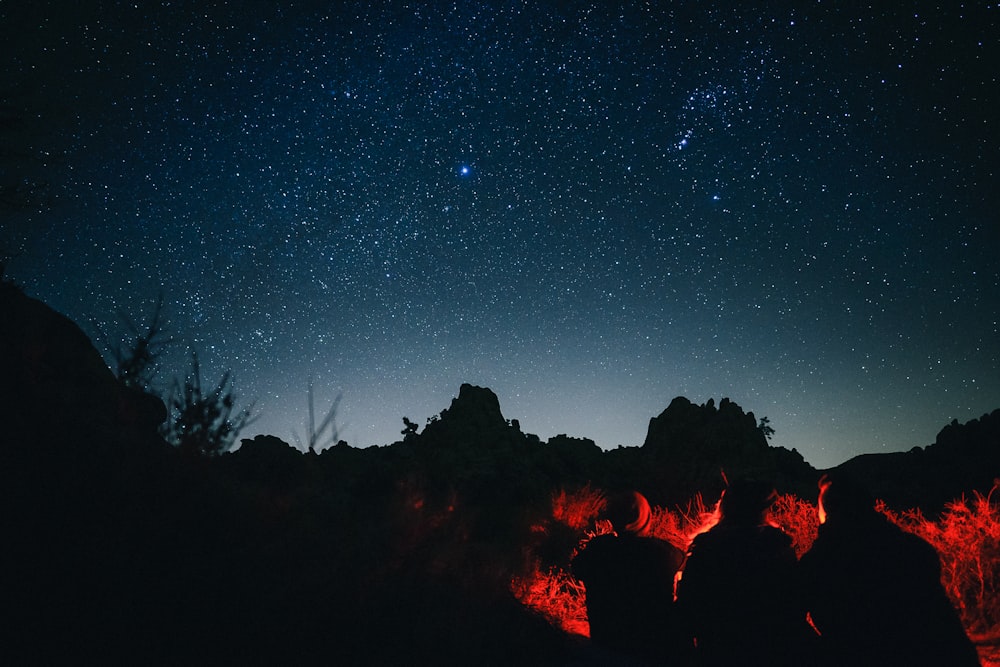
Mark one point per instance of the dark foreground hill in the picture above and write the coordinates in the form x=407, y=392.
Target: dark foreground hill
x=123, y=549
x=964, y=457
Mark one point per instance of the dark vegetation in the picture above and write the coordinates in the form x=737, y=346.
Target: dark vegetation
x=201, y=421
x=123, y=546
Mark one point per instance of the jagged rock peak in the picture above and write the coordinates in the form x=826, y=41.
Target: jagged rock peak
x=475, y=407
x=684, y=423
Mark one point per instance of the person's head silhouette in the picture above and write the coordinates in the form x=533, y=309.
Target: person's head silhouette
x=746, y=502
x=629, y=513
x=843, y=500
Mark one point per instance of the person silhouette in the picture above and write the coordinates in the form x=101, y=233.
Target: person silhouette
x=737, y=591
x=629, y=581
x=874, y=591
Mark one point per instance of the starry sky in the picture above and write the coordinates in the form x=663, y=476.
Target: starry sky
x=590, y=208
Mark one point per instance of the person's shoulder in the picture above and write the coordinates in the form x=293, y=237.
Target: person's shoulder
x=589, y=557
x=660, y=545
x=597, y=547
x=710, y=538
x=699, y=542
x=774, y=535
x=893, y=536
x=718, y=542
x=920, y=548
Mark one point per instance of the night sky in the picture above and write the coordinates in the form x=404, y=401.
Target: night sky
x=590, y=208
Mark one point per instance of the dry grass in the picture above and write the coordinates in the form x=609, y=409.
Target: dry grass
x=560, y=597
x=578, y=508
x=967, y=537
x=680, y=526
x=556, y=595
x=798, y=519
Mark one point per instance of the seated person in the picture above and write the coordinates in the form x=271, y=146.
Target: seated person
x=629, y=581
x=874, y=591
x=737, y=593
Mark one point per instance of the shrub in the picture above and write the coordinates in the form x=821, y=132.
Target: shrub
x=577, y=509
x=967, y=538
x=798, y=518
x=680, y=526
x=556, y=595
x=203, y=422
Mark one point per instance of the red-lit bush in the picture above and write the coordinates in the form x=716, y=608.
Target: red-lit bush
x=681, y=526
x=556, y=595
x=560, y=597
x=577, y=509
x=798, y=519
x=967, y=537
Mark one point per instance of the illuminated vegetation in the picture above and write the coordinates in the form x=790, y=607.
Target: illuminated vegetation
x=798, y=519
x=966, y=535
x=556, y=595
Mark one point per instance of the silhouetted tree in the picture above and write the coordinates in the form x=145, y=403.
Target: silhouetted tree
x=200, y=422
x=136, y=362
x=765, y=427
x=410, y=428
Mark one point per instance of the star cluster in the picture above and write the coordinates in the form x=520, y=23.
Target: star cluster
x=589, y=209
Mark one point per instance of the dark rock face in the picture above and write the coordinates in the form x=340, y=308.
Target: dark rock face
x=685, y=429
x=473, y=448
x=473, y=414
x=52, y=377
x=692, y=449
x=963, y=458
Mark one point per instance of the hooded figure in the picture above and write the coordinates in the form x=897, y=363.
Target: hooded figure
x=629, y=581
x=874, y=591
x=737, y=593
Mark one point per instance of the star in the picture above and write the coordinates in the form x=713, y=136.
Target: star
x=325, y=183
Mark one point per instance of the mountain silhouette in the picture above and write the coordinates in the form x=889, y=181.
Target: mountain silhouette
x=56, y=386
x=963, y=457
x=55, y=380
x=693, y=448
x=119, y=545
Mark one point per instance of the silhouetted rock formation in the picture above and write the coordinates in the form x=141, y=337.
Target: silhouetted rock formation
x=119, y=546
x=570, y=461
x=963, y=458
x=688, y=447
x=52, y=378
x=475, y=412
